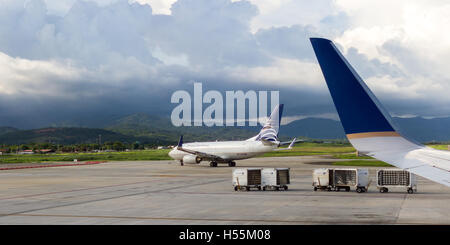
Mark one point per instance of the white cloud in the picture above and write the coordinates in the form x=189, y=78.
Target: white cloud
x=288, y=119
x=417, y=25
x=408, y=35
x=289, y=73
x=277, y=13
x=158, y=6
x=409, y=89
x=369, y=40
x=373, y=13
x=32, y=76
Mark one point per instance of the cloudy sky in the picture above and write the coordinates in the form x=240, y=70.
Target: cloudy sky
x=89, y=61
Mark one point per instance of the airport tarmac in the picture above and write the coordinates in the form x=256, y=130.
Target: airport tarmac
x=163, y=192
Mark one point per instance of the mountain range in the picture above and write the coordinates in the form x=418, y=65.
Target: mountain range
x=417, y=128
x=154, y=130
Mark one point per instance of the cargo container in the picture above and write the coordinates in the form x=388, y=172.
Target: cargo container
x=396, y=178
x=341, y=179
x=275, y=178
x=246, y=178
x=322, y=179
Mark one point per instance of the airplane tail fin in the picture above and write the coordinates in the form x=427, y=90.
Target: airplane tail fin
x=360, y=111
x=270, y=130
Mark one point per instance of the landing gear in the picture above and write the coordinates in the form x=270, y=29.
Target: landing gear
x=181, y=162
x=213, y=164
x=232, y=164
x=410, y=190
x=383, y=189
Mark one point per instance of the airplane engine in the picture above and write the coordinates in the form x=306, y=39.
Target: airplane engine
x=191, y=159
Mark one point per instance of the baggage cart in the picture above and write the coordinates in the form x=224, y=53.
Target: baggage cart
x=322, y=179
x=275, y=178
x=396, y=178
x=246, y=179
x=341, y=179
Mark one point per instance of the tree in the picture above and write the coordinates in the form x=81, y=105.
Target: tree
x=118, y=146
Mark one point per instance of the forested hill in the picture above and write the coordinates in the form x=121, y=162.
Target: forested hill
x=153, y=130
x=65, y=136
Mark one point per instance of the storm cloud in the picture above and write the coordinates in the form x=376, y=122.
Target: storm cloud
x=88, y=61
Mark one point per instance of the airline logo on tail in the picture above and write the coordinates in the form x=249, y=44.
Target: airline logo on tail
x=270, y=130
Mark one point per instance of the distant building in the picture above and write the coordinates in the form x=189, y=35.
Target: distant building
x=24, y=152
x=45, y=151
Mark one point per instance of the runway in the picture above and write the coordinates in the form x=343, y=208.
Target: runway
x=162, y=192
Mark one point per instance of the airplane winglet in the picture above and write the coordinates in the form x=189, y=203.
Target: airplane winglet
x=292, y=143
x=368, y=125
x=358, y=108
x=180, y=142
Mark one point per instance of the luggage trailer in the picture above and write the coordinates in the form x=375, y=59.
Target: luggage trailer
x=246, y=179
x=340, y=179
x=275, y=178
x=396, y=178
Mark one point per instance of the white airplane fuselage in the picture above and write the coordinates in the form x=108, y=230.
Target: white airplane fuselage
x=227, y=150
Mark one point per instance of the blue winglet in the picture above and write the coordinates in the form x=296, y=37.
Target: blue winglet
x=180, y=142
x=358, y=109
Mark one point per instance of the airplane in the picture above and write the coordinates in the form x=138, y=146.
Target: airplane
x=368, y=126
x=229, y=151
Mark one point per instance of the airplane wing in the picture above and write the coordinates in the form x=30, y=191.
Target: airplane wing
x=368, y=126
x=291, y=143
x=423, y=161
x=204, y=156
x=294, y=141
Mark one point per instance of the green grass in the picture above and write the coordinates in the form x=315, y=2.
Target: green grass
x=439, y=147
x=362, y=163
x=302, y=149
x=103, y=156
x=308, y=149
x=337, y=151
x=350, y=156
